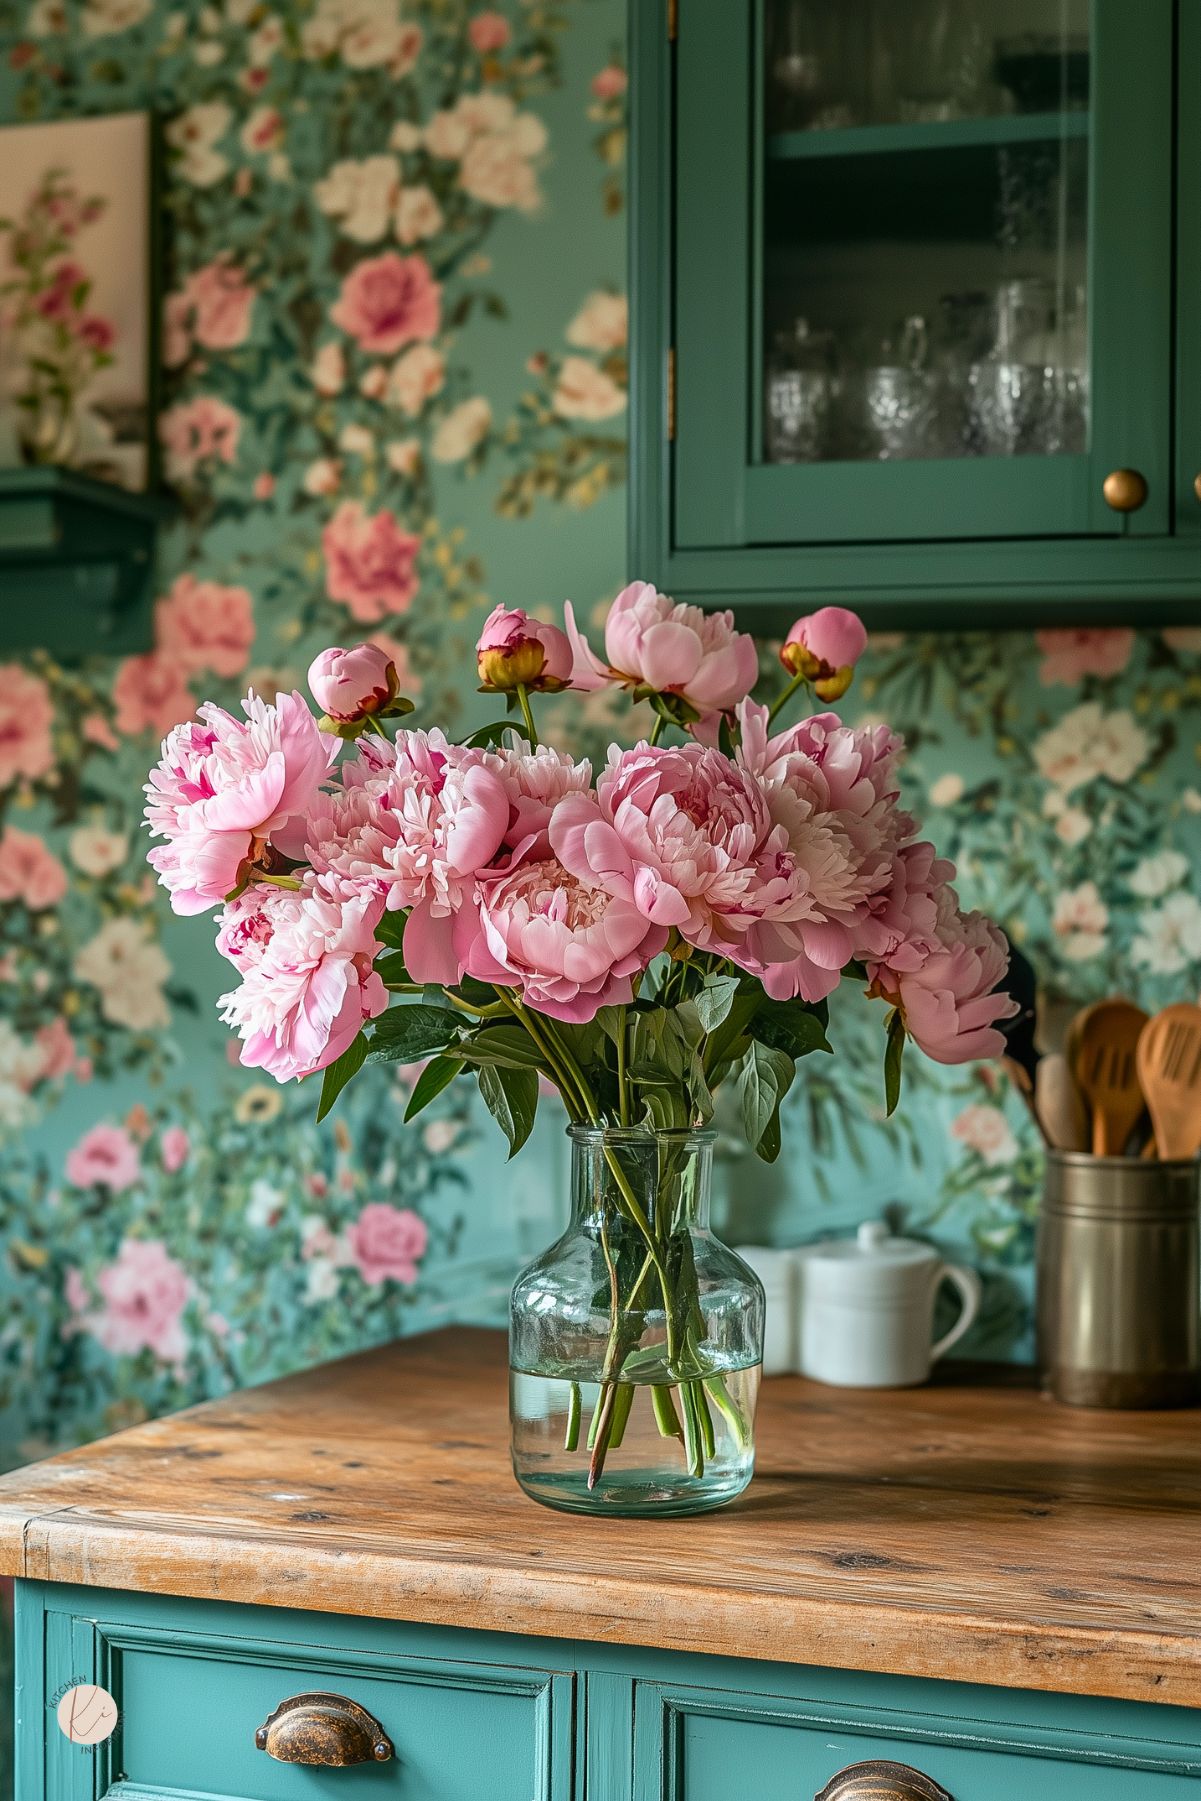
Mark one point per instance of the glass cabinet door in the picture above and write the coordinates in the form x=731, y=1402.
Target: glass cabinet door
x=920, y=269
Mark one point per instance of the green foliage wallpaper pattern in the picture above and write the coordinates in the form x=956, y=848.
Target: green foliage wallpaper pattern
x=395, y=370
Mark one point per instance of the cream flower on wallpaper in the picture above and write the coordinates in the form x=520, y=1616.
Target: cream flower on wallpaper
x=1080, y=921
x=417, y=216
x=585, y=392
x=361, y=196
x=1156, y=874
x=463, y=430
x=415, y=378
x=1170, y=936
x=495, y=146
x=194, y=135
x=327, y=371
x=366, y=34
x=47, y=18
x=100, y=18
x=986, y=1131
x=127, y=967
x=1088, y=742
x=97, y=850
x=602, y=323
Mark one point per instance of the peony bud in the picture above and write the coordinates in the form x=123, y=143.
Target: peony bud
x=516, y=651
x=350, y=684
x=824, y=647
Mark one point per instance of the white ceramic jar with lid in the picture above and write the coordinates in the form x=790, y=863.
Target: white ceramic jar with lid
x=867, y=1309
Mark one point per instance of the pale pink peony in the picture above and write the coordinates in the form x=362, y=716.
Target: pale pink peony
x=222, y=301
x=205, y=626
x=175, y=1147
x=824, y=647
x=197, y=431
x=310, y=988
x=228, y=795
x=1070, y=655
x=105, y=1157
x=387, y=301
x=951, y=1003
x=29, y=870
x=387, y=1243
x=489, y=31
x=517, y=651
x=678, y=650
x=151, y=695
x=369, y=562
x=350, y=684
x=536, y=781
x=571, y=946
x=144, y=1293
x=898, y=927
x=26, y=716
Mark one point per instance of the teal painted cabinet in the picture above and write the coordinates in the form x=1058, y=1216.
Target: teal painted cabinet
x=483, y=1716
x=916, y=301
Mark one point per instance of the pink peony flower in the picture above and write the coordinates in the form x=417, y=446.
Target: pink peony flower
x=151, y=694
x=105, y=1157
x=515, y=650
x=350, y=684
x=29, y=870
x=369, y=562
x=144, y=1292
x=227, y=796
x=1068, y=656
x=387, y=301
x=570, y=945
x=489, y=31
x=222, y=301
x=175, y=1147
x=197, y=431
x=205, y=626
x=652, y=643
x=26, y=716
x=310, y=988
x=824, y=647
x=387, y=1243
x=951, y=1003
x=536, y=781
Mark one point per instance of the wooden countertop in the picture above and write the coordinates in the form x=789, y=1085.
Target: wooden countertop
x=968, y=1531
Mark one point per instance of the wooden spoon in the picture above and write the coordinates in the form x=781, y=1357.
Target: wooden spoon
x=1104, y=1040
x=1169, y=1069
x=1060, y=1105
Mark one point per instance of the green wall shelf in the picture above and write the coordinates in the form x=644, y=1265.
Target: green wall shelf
x=940, y=134
x=76, y=563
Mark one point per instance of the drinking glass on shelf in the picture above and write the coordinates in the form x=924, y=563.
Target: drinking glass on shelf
x=936, y=59
x=894, y=406
x=801, y=389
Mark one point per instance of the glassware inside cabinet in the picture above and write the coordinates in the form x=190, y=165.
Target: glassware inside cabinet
x=924, y=229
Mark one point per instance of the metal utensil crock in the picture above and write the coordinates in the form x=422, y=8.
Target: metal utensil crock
x=1119, y=1281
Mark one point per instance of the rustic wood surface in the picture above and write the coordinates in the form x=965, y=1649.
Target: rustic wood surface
x=971, y=1530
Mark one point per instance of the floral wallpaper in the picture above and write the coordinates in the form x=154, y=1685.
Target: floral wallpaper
x=395, y=347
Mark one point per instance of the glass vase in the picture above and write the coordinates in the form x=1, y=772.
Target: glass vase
x=636, y=1340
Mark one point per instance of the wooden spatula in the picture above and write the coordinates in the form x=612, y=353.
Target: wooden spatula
x=1169, y=1070
x=1104, y=1042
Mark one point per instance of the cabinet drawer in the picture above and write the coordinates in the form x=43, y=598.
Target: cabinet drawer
x=704, y=1745
x=192, y=1693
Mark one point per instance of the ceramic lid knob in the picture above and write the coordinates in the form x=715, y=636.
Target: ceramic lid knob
x=872, y=1234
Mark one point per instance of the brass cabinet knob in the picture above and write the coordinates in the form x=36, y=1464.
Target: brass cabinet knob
x=1125, y=490
x=1197, y=486
x=882, y=1781
x=323, y=1729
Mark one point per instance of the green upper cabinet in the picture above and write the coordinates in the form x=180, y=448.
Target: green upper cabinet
x=905, y=331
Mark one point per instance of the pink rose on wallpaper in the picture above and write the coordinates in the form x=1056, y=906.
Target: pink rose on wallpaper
x=387, y=301
x=198, y=431
x=105, y=1157
x=57, y=1050
x=26, y=716
x=96, y=333
x=205, y=626
x=143, y=1293
x=151, y=695
x=610, y=83
x=369, y=562
x=174, y=1147
x=97, y=730
x=222, y=302
x=489, y=31
x=1068, y=656
x=29, y=870
x=387, y=1243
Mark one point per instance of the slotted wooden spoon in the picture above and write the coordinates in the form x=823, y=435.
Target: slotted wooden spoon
x=1104, y=1045
x=1169, y=1070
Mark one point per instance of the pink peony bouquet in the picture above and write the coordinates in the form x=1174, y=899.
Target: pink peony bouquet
x=635, y=935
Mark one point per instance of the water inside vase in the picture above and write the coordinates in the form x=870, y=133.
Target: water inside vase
x=644, y=1471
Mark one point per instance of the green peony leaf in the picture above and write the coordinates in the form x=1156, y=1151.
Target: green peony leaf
x=339, y=1073
x=894, y=1048
x=511, y=1096
x=405, y=1033
x=766, y=1076
x=438, y=1074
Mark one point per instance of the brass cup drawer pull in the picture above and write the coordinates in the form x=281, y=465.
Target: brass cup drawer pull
x=323, y=1729
x=882, y=1781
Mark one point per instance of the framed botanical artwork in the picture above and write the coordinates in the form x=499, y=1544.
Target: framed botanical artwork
x=77, y=302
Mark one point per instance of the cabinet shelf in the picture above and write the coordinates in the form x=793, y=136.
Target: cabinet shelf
x=942, y=134
x=76, y=563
